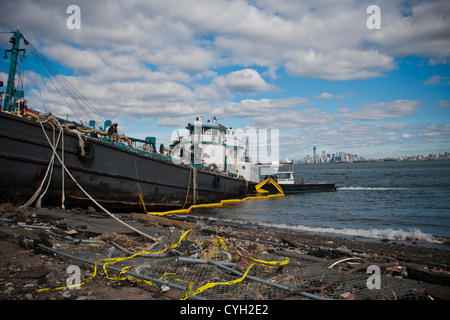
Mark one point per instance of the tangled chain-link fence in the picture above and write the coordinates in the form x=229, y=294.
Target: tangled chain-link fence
x=193, y=265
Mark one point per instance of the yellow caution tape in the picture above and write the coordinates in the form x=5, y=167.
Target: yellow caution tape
x=220, y=241
x=213, y=284
x=74, y=285
x=217, y=241
x=172, y=276
x=271, y=263
x=111, y=261
x=122, y=272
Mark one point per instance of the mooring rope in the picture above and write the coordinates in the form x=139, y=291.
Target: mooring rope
x=38, y=191
x=86, y=193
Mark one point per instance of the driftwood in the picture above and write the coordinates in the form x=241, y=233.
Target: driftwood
x=417, y=272
x=151, y=220
x=291, y=242
x=300, y=256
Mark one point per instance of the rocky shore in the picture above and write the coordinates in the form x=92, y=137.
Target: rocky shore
x=26, y=266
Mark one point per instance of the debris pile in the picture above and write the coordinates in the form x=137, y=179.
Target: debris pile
x=202, y=262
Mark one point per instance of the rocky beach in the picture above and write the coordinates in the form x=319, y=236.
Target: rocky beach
x=262, y=264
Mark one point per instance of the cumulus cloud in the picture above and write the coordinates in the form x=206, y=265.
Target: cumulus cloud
x=246, y=80
x=438, y=80
x=324, y=95
x=338, y=64
x=413, y=31
x=172, y=60
x=293, y=118
x=441, y=131
x=444, y=103
x=259, y=108
x=191, y=59
x=81, y=61
x=327, y=40
x=385, y=110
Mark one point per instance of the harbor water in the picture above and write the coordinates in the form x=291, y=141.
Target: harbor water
x=395, y=201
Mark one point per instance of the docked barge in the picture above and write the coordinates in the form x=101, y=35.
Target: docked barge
x=67, y=163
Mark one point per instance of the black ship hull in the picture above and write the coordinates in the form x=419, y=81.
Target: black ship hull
x=110, y=174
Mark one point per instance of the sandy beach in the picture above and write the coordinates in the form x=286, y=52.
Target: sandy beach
x=294, y=266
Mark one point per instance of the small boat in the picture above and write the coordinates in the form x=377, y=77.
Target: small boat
x=285, y=180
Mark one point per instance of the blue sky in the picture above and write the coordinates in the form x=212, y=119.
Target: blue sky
x=311, y=69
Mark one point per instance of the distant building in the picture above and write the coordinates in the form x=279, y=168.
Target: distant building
x=349, y=157
x=325, y=157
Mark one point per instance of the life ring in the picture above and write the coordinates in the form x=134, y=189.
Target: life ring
x=212, y=167
x=89, y=151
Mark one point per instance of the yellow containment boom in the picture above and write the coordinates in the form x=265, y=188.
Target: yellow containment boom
x=222, y=202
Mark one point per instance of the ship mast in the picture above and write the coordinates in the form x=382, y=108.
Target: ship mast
x=11, y=93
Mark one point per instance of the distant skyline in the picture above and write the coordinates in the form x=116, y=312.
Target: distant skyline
x=320, y=156
x=315, y=70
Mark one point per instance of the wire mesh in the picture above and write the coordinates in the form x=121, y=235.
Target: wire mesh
x=189, y=263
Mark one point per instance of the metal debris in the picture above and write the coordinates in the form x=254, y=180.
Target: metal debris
x=200, y=265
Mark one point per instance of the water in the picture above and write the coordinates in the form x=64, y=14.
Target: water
x=402, y=201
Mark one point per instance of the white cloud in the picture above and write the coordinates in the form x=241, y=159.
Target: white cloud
x=246, y=80
x=422, y=30
x=327, y=95
x=165, y=59
x=326, y=39
x=435, y=132
x=306, y=118
x=3, y=77
x=253, y=109
x=344, y=109
x=385, y=110
x=79, y=60
x=191, y=59
x=438, y=80
x=151, y=95
x=444, y=103
x=338, y=64
x=324, y=95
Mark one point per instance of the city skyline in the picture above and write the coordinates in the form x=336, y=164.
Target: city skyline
x=342, y=156
x=326, y=73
